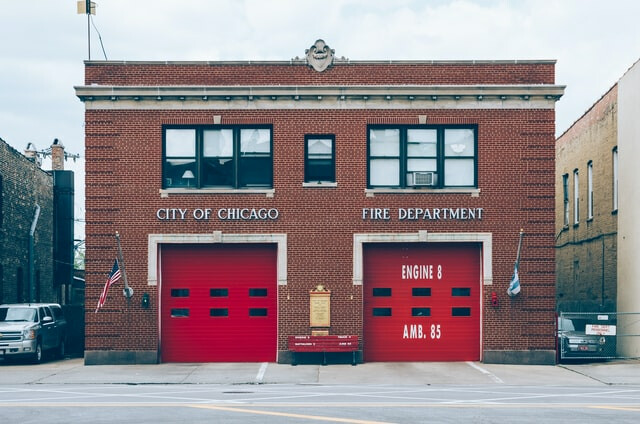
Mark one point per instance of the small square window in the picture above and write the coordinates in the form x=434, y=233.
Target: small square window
x=319, y=161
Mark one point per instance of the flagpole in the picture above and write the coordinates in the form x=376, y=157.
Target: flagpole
x=128, y=291
x=514, y=285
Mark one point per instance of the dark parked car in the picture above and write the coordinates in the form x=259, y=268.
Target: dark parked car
x=29, y=329
x=577, y=339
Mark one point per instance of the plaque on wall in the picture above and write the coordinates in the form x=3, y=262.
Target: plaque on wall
x=320, y=307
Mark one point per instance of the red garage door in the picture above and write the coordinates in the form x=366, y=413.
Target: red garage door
x=219, y=303
x=422, y=302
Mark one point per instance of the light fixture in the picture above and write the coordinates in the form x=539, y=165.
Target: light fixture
x=526, y=97
x=188, y=175
x=480, y=97
x=434, y=98
x=388, y=97
x=412, y=97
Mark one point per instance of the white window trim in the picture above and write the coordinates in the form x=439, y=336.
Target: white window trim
x=576, y=197
x=421, y=237
x=615, y=178
x=590, y=190
x=217, y=237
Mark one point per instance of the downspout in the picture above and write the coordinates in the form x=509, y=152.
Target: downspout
x=31, y=260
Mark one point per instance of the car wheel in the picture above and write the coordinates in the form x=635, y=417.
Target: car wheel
x=37, y=355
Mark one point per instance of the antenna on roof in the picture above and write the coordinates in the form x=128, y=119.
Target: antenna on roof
x=89, y=8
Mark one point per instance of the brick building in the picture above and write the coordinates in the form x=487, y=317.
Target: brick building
x=26, y=229
x=587, y=211
x=395, y=188
x=597, y=211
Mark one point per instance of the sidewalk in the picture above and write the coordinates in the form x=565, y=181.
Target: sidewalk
x=73, y=371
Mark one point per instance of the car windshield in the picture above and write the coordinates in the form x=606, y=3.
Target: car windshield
x=565, y=324
x=18, y=314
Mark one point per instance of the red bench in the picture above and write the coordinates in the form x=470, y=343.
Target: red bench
x=323, y=344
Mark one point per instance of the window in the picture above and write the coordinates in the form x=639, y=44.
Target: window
x=576, y=198
x=319, y=158
x=422, y=156
x=381, y=291
x=217, y=157
x=615, y=178
x=179, y=292
x=1, y=197
x=565, y=196
x=590, y=190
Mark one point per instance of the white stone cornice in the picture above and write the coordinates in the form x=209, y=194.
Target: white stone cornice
x=541, y=96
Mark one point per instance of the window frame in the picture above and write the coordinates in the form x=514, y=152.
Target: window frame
x=238, y=159
x=576, y=197
x=614, y=177
x=589, y=190
x=565, y=198
x=308, y=177
x=441, y=158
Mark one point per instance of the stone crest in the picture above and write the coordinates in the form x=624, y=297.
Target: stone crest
x=319, y=56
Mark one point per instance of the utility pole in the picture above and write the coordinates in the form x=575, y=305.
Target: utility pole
x=89, y=8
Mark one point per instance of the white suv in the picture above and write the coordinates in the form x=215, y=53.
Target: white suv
x=28, y=329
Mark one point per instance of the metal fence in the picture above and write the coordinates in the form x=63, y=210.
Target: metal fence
x=599, y=335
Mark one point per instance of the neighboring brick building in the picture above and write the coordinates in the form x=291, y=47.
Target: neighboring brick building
x=597, y=243
x=399, y=186
x=26, y=195
x=587, y=218
x=36, y=226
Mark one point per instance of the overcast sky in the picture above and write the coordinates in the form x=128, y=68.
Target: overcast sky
x=43, y=44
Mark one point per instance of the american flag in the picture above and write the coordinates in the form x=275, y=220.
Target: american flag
x=114, y=276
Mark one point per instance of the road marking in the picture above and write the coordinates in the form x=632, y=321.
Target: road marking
x=263, y=369
x=288, y=415
x=615, y=408
x=494, y=377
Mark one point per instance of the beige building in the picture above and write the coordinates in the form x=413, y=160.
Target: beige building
x=586, y=210
x=597, y=208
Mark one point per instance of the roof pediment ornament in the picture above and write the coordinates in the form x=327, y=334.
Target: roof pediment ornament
x=320, y=55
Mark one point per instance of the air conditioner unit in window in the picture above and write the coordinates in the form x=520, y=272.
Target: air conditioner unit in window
x=424, y=178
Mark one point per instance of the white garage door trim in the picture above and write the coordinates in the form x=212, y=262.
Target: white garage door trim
x=422, y=237
x=154, y=240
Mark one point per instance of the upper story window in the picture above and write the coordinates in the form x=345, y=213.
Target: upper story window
x=590, y=190
x=565, y=198
x=576, y=197
x=319, y=158
x=217, y=157
x=615, y=178
x=426, y=156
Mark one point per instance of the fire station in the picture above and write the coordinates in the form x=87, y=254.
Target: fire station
x=256, y=201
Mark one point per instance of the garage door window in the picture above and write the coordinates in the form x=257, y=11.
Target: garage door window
x=179, y=313
x=421, y=312
x=257, y=312
x=460, y=312
x=381, y=291
x=257, y=292
x=179, y=292
x=219, y=312
x=381, y=312
x=421, y=291
x=460, y=291
x=219, y=292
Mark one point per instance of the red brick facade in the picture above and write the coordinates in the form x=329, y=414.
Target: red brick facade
x=515, y=186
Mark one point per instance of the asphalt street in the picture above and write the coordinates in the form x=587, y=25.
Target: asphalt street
x=68, y=391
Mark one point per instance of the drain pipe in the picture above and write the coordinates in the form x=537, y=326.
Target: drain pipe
x=31, y=259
